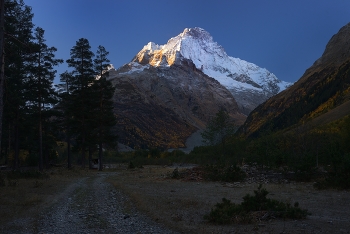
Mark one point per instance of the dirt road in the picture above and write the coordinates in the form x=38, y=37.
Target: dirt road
x=88, y=205
x=91, y=205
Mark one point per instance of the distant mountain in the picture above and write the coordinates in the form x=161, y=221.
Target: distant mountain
x=168, y=92
x=320, y=96
x=249, y=84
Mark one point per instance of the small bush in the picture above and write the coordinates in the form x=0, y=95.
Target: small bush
x=227, y=212
x=217, y=172
x=131, y=165
x=175, y=174
x=253, y=208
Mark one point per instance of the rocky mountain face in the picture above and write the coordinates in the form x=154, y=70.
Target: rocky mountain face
x=168, y=92
x=323, y=89
x=163, y=106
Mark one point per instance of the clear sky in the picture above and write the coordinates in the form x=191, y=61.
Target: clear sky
x=283, y=36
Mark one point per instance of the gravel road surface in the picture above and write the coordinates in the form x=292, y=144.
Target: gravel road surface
x=89, y=205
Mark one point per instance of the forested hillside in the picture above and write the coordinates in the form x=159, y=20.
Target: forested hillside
x=324, y=86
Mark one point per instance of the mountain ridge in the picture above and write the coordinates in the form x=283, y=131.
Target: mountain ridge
x=323, y=87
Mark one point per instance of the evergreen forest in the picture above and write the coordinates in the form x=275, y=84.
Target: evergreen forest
x=39, y=117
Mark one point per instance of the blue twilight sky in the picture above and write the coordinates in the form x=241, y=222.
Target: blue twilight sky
x=283, y=36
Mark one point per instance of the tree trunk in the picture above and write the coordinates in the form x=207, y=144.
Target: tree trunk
x=69, y=157
x=90, y=157
x=83, y=152
x=41, y=158
x=16, y=156
x=8, y=145
x=100, y=165
x=2, y=65
x=46, y=157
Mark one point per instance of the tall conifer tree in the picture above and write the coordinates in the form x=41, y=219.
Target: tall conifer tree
x=2, y=65
x=66, y=110
x=83, y=77
x=40, y=83
x=104, y=91
x=18, y=24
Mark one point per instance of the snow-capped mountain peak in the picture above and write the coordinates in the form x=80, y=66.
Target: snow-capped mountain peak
x=195, y=44
x=238, y=76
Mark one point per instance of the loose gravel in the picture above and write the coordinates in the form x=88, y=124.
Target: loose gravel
x=91, y=205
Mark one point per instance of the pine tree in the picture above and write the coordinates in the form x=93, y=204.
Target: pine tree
x=101, y=62
x=2, y=65
x=218, y=130
x=18, y=25
x=66, y=111
x=104, y=91
x=106, y=119
x=40, y=83
x=80, y=90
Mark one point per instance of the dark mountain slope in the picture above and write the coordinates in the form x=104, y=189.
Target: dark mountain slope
x=162, y=106
x=332, y=115
x=323, y=87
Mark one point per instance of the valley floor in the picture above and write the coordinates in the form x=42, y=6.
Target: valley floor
x=147, y=201
x=181, y=205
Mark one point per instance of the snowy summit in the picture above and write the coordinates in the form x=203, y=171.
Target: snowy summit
x=240, y=77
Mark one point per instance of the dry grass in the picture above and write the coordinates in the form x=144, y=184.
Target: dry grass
x=181, y=205
x=24, y=198
x=332, y=115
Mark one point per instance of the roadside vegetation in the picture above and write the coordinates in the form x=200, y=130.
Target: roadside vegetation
x=254, y=208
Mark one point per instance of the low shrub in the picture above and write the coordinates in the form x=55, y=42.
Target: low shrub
x=227, y=212
x=217, y=172
x=338, y=176
x=131, y=165
x=175, y=174
x=254, y=208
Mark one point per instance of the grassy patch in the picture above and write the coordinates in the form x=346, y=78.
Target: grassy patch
x=31, y=174
x=24, y=193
